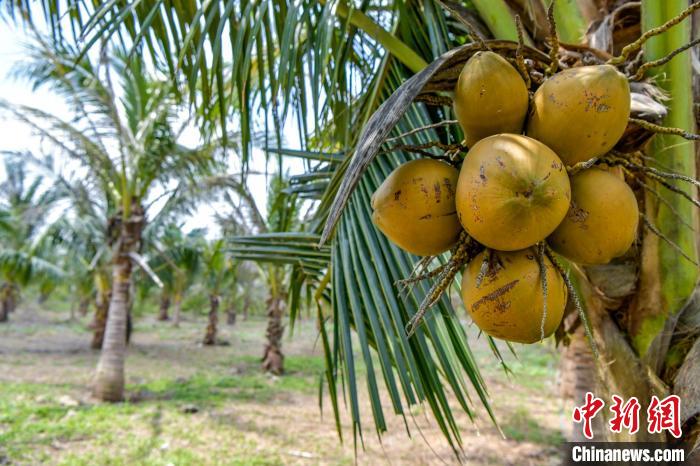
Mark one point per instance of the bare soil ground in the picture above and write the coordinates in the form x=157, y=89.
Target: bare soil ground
x=211, y=405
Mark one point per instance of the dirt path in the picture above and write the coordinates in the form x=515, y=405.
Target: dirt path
x=197, y=405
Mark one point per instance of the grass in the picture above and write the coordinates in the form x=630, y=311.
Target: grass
x=38, y=417
x=301, y=377
x=190, y=404
x=36, y=421
x=521, y=426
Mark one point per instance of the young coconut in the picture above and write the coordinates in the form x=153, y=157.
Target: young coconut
x=490, y=97
x=602, y=221
x=512, y=192
x=415, y=207
x=581, y=113
x=509, y=302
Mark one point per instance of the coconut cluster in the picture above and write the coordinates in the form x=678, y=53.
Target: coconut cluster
x=515, y=191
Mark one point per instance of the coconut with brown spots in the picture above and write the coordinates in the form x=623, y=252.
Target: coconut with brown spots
x=602, y=221
x=581, y=113
x=490, y=97
x=509, y=303
x=512, y=192
x=415, y=207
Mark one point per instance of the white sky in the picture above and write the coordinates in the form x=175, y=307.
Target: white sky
x=16, y=136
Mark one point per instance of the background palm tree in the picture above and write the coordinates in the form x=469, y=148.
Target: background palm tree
x=177, y=261
x=86, y=260
x=25, y=203
x=127, y=148
x=218, y=273
x=282, y=215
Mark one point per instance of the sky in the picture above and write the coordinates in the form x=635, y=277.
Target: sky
x=15, y=136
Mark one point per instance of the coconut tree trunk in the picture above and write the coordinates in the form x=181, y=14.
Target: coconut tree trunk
x=231, y=314
x=7, y=301
x=109, y=381
x=164, y=307
x=246, y=306
x=210, y=336
x=12, y=298
x=273, y=359
x=100, y=321
x=43, y=297
x=620, y=370
x=129, y=325
x=583, y=377
x=177, y=302
x=83, y=306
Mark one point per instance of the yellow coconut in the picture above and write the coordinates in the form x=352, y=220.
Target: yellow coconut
x=490, y=97
x=512, y=192
x=415, y=207
x=581, y=113
x=602, y=220
x=509, y=304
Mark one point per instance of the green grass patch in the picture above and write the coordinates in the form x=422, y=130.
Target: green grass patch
x=302, y=375
x=35, y=417
x=522, y=427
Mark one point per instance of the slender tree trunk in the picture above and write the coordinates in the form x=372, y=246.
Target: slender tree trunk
x=100, y=320
x=273, y=359
x=83, y=306
x=177, y=302
x=246, y=306
x=584, y=378
x=210, y=336
x=43, y=297
x=164, y=307
x=6, y=302
x=129, y=325
x=109, y=381
x=12, y=298
x=231, y=315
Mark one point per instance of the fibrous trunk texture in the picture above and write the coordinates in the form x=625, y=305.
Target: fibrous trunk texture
x=177, y=302
x=584, y=378
x=273, y=359
x=109, y=381
x=210, y=336
x=246, y=306
x=83, y=306
x=8, y=301
x=620, y=370
x=231, y=315
x=164, y=307
x=100, y=321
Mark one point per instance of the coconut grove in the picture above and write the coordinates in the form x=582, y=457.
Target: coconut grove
x=464, y=230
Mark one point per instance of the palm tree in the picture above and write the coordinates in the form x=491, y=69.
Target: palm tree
x=177, y=261
x=126, y=142
x=282, y=216
x=24, y=206
x=82, y=237
x=218, y=273
x=359, y=56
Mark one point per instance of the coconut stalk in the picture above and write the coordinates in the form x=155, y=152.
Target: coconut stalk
x=571, y=23
x=667, y=279
x=499, y=19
